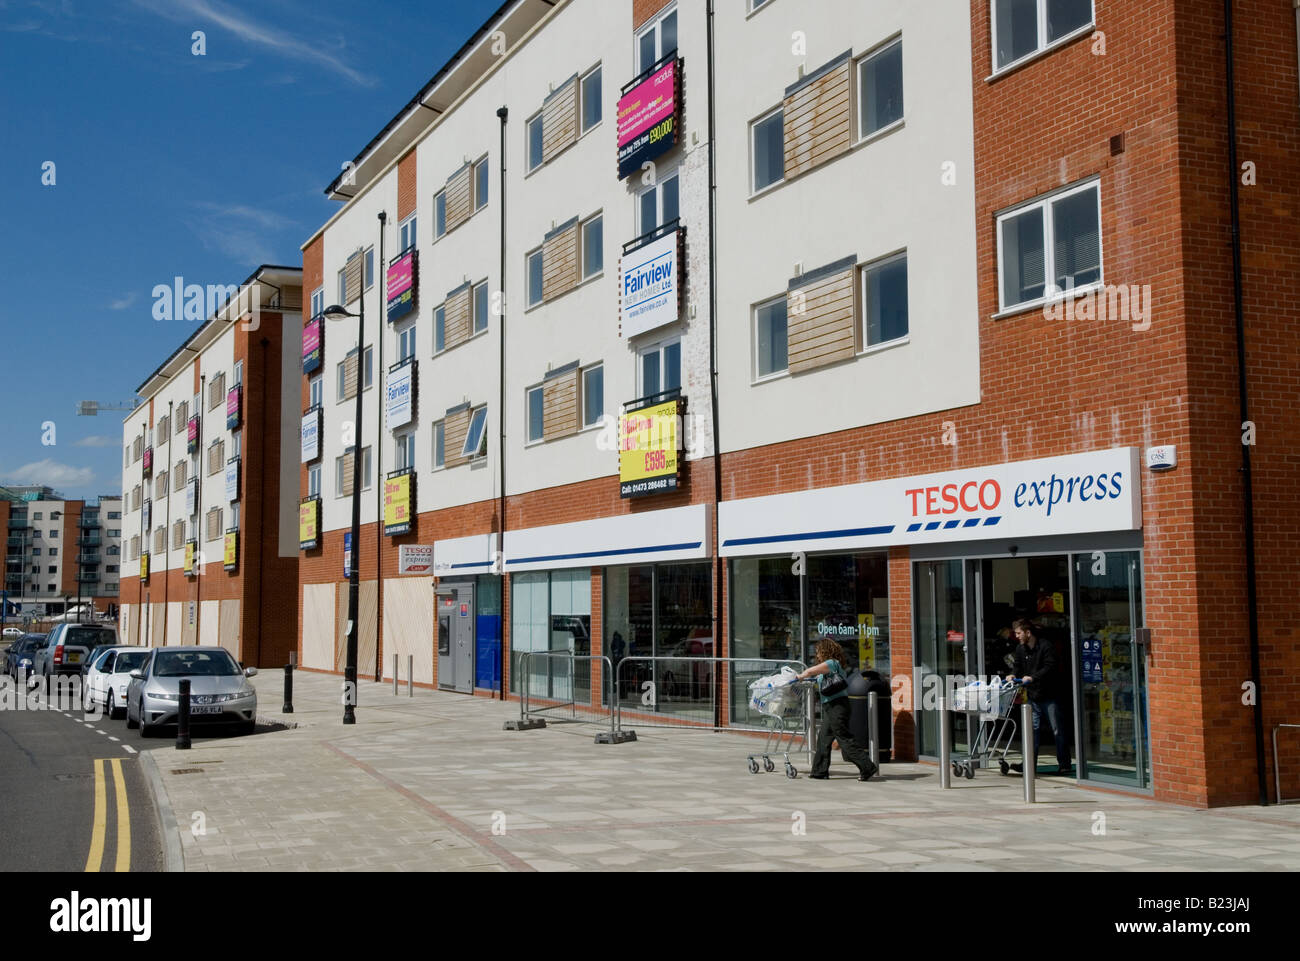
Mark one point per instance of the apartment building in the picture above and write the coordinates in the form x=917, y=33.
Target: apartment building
x=60, y=552
x=723, y=328
x=208, y=525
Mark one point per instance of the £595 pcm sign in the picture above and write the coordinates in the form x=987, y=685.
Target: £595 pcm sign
x=1075, y=494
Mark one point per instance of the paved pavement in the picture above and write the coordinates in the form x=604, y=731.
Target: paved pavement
x=432, y=782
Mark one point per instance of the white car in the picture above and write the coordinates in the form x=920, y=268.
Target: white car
x=13, y=632
x=109, y=675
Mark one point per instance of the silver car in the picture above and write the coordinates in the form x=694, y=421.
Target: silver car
x=219, y=690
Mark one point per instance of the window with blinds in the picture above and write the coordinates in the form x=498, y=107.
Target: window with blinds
x=212, y=524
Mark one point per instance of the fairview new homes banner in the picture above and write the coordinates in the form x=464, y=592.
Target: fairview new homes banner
x=648, y=118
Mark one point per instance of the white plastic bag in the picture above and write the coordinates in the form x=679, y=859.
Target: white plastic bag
x=772, y=694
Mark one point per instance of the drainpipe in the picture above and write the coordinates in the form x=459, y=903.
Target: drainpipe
x=382, y=377
x=202, y=414
x=261, y=494
x=713, y=370
x=503, y=113
x=1247, y=491
x=167, y=523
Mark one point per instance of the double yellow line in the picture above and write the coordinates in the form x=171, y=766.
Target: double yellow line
x=96, y=856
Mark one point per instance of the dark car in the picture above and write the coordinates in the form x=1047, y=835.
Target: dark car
x=23, y=653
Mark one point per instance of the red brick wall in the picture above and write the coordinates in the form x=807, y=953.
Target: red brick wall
x=643, y=10
x=68, y=549
x=407, y=196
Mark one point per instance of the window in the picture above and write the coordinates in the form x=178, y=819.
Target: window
x=51, y=588
x=880, y=89
x=1073, y=258
x=160, y=485
x=439, y=438
x=111, y=569
x=114, y=532
x=407, y=231
x=439, y=214
x=36, y=552
x=593, y=247
x=479, y=299
x=343, y=477
x=406, y=342
x=236, y=443
x=476, y=437
x=178, y=475
x=659, y=205
x=239, y=373
x=536, y=412
x=343, y=287
x=756, y=4
x=214, y=528
x=114, y=550
x=656, y=41
x=315, y=391
x=217, y=391
x=770, y=340
x=234, y=515
x=535, y=278
x=884, y=300
x=38, y=516
x=370, y=268
x=404, y=450
x=481, y=184
x=164, y=423
x=439, y=328
x=593, y=396
x=768, y=138
x=313, y=480
x=54, y=552
x=126, y=456
x=54, y=533
x=114, y=515
x=50, y=569
x=535, y=143
x=661, y=368
x=368, y=374
x=318, y=301
x=591, y=105
x=182, y=416
x=1023, y=27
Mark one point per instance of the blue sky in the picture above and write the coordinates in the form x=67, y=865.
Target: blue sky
x=169, y=164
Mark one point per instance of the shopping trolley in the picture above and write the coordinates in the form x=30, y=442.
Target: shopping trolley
x=994, y=702
x=780, y=699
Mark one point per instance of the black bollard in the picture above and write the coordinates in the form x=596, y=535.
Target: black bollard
x=183, y=718
x=288, y=689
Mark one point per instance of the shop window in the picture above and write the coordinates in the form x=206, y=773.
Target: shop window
x=551, y=611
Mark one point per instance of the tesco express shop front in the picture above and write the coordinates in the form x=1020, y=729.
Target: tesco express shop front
x=1056, y=540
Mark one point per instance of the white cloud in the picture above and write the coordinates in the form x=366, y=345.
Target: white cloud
x=51, y=474
x=122, y=303
x=98, y=441
x=280, y=42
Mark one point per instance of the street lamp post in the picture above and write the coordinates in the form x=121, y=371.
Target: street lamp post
x=338, y=312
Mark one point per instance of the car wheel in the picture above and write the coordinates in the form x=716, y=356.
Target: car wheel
x=110, y=709
x=130, y=724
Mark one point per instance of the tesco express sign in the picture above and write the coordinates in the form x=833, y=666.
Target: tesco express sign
x=1077, y=493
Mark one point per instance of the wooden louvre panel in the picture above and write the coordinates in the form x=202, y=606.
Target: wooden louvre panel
x=350, y=375
x=560, y=260
x=348, y=467
x=135, y=547
x=353, y=276
x=137, y=449
x=560, y=119
x=819, y=116
x=457, y=320
x=213, y=524
x=821, y=317
x=560, y=403
x=216, y=391
x=164, y=423
x=160, y=485
x=135, y=498
x=455, y=429
x=216, y=458
x=178, y=535
x=159, y=540
x=460, y=203
x=182, y=416
x=178, y=472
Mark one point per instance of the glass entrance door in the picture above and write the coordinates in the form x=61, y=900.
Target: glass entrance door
x=1111, y=667
x=942, y=649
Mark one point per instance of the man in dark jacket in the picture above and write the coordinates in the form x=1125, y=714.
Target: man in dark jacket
x=1036, y=666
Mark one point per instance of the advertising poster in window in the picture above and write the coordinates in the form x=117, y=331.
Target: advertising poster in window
x=399, y=396
x=192, y=435
x=190, y=547
x=648, y=450
x=313, y=345
x=308, y=524
x=234, y=398
x=231, y=560
x=401, y=286
x=648, y=119
x=311, y=436
x=232, y=480
x=398, y=504
x=651, y=288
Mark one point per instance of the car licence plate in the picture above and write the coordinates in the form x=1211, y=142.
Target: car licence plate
x=74, y=657
x=205, y=709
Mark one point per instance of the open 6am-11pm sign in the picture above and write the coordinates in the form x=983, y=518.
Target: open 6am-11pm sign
x=649, y=118
x=648, y=450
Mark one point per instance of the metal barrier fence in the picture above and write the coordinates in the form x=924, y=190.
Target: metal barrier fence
x=683, y=693
x=1277, y=774
x=545, y=694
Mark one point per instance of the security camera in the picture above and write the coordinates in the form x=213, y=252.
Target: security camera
x=1012, y=549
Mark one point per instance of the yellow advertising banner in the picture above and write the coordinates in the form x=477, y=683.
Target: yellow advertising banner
x=648, y=450
x=397, y=504
x=144, y=567
x=232, y=550
x=867, y=634
x=308, y=524
x=189, y=557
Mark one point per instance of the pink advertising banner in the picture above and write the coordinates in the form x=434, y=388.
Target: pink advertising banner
x=647, y=104
x=311, y=349
x=401, y=286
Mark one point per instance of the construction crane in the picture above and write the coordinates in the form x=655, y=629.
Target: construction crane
x=89, y=408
